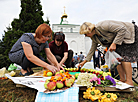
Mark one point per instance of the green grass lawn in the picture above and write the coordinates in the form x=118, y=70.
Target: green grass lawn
x=10, y=93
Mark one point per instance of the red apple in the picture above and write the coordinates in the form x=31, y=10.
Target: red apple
x=57, y=73
x=51, y=86
x=57, y=76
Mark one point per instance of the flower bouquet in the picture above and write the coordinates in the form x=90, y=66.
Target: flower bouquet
x=108, y=81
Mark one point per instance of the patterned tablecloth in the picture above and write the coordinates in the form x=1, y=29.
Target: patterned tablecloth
x=69, y=95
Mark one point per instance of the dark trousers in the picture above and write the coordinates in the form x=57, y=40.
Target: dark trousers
x=96, y=63
x=68, y=62
x=102, y=61
x=28, y=64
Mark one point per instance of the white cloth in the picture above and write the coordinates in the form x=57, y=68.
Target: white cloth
x=96, y=54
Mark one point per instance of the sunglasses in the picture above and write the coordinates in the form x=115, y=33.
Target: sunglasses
x=59, y=34
x=85, y=24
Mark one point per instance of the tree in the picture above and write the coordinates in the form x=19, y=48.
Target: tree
x=30, y=18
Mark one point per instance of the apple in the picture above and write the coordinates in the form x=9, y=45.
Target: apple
x=84, y=69
x=71, y=69
x=74, y=69
x=72, y=80
x=57, y=76
x=49, y=73
x=51, y=86
x=59, y=84
x=68, y=82
x=57, y=73
x=81, y=69
x=47, y=80
x=77, y=69
x=45, y=84
x=73, y=76
x=61, y=71
x=66, y=69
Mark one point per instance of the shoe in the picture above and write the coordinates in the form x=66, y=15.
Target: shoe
x=26, y=74
x=31, y=72
x=12, y=67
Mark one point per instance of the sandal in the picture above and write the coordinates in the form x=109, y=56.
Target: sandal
x=26, y=74
x=30, y=71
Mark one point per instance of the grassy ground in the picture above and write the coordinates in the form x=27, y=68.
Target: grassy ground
x=10, y=93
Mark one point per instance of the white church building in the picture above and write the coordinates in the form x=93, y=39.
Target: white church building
x=76, y=42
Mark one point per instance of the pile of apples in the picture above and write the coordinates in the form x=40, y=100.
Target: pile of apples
x=60, y=80
x=48, y=73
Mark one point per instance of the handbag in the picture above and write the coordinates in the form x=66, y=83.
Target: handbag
x=112, y=59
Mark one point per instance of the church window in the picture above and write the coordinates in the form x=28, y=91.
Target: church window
x=71, y=30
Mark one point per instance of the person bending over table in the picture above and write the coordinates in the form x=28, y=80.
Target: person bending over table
x=59, y=48
x=25, y=51
x=118, y=36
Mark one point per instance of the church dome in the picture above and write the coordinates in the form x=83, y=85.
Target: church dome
x=64, y=15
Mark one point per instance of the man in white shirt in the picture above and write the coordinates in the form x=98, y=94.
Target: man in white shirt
x=96, y=58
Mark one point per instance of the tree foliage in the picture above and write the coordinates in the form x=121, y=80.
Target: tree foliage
x=30, y=18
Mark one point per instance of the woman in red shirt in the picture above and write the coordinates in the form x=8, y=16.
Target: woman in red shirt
x=59, y=48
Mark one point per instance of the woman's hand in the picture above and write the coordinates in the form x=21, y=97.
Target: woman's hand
x=112, y=47
x=81, y=64
x=60, y=67
x=53, y=69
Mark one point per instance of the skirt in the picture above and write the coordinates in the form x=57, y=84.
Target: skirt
x=129, y=52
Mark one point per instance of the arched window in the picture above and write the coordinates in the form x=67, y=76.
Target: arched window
x=71, y=30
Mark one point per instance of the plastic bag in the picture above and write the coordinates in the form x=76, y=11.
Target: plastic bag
x=112, y=59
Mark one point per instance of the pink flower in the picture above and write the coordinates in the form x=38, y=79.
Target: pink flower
x=93, y=79
x=99, y=81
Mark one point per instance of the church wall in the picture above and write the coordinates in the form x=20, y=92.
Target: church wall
x=76, y=41
x=65, y=28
